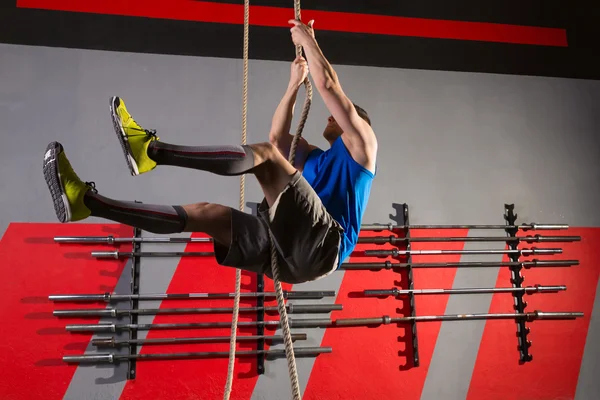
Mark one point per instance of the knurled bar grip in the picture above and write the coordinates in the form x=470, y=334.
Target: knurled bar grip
x=108, y=297
x=385, y=320
x=112, y=240
x=527, y=239
x=524, y=227
x=113, y=358
x=395, y=252
x=112, y=342
x=524, y=264
x=112, y=312
x=529, y=290
x=111, y=328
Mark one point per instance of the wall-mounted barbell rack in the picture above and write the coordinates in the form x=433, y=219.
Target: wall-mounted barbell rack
x=400, y=237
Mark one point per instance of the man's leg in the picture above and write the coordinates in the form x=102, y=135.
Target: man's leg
x=144, y=151
x=261, y=159
x=306, y=236
x=241, y=240
x=76, y=200
x=272, y=170
x=273, y=173
x=209, y=218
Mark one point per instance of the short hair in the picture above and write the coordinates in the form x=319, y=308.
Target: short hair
x=362, y=113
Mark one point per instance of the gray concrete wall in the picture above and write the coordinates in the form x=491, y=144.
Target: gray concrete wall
x=470, y=142
x=454, y=146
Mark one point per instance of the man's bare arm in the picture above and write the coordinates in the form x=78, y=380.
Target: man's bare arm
x=358, y=135
x=279, y=134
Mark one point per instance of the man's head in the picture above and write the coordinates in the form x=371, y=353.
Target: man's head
x=333, y=131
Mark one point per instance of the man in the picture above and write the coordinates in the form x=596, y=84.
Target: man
x=313, y=209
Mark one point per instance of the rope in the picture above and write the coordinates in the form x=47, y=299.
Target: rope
x=289, y=349
x=238, y=272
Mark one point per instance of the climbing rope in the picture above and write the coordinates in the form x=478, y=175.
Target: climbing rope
x=289, y=349
x=238, y=273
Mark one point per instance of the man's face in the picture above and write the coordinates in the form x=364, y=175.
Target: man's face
x=332, y=130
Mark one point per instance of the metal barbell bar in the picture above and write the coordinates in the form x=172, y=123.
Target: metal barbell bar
x=524, y=290
x=460, y=264
x=116, y=343
x=527, y=239
x=530, y=316
x=112, y=358
x=111, y=297
x=523, y=252
x=325, y=323
x=114, y=313
x=524, y=227
x=110, y=328
x=114, y=240
x=128, y=254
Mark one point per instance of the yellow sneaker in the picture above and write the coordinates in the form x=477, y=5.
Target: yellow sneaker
x=66, y=188
x=133, y=138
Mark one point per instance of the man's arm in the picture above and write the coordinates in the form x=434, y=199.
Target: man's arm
x=358, y=135
x=279, y=134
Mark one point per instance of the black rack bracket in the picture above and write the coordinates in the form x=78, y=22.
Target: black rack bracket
x=402, y=218
x=517, y=281
x=134, y=303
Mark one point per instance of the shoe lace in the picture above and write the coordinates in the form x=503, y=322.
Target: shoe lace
x=92, y=186
x=146, y=132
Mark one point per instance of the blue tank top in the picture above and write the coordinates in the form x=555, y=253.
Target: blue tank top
x=344, y=187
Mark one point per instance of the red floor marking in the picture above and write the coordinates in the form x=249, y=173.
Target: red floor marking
x=557, y=346
x=203, y=11
x=364, y=357
x=199, y=379
x=33, y=267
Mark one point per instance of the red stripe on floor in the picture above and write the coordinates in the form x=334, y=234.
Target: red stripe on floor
x=199, y=379
x=34, y=267
x=557, y=346
x=201, y=11
x=364, y=357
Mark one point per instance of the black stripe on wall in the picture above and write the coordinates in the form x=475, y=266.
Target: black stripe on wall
x=516, y=12
x=146, y=35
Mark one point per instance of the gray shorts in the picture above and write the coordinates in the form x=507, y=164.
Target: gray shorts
x=306, y=236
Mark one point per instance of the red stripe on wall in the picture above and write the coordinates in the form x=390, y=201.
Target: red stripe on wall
x=199, y=379
x=371, y=363
x=201, y=11
x=33, y=267
x=557, y=346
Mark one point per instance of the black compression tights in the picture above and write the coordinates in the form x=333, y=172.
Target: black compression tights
x=220, y=160
x=149, y=217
